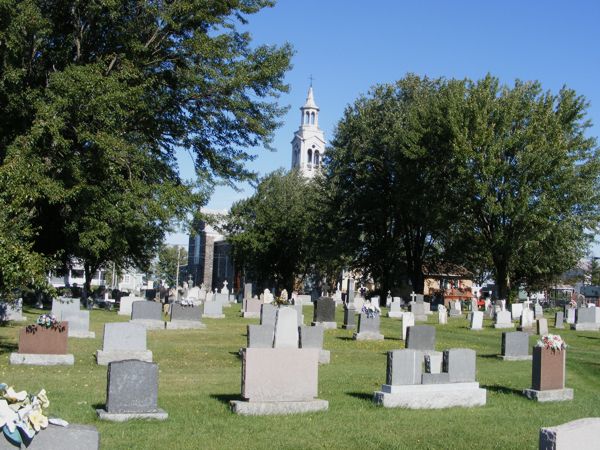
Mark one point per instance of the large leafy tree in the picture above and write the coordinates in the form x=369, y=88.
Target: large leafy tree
x=528, y=178
x=97, y=97
x=271, y=231
x=169, y=257
x=387, y=173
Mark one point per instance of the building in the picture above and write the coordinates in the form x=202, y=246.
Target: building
x=308, y=144
x=209, y=258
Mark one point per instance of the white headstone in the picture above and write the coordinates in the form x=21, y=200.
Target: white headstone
x=442, y=315
x=408, y=320
x=286, y=328
x=476, y=320
x=225, y=289
x=267, y=296
x=517, y=310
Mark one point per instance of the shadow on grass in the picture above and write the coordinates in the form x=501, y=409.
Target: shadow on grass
x=7, y=346
x=361, y=396
x=96, y=406
x=587, y=337
x=491, y=356
x=345, y=338
x=388, y=338
x=226, y=398
x=236, y=354
x=503, y=389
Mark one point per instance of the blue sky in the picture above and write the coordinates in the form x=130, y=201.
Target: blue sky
x=349, y=46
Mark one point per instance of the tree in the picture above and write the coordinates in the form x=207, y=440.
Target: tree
x=96, y=98
x=270, y=232
x=528, y=177
x=168, y=261
x=388, y=172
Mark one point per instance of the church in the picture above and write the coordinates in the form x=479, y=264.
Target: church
x=308, y=145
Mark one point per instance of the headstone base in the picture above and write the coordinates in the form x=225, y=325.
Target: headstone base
x=251, y=315
x=368, y=336
x=504, y=325
x=585, y=326
x=551, y=395
x=324, y=356
x=185, y=325
x=421, y=318
x=82, y=334
x=124, y=417
x=395, y=314
x=526, y=329
x=272, y=408
x=103, y=358
x=150, y=324
x=326, y=325
x=431, y=396
x=213, y=316
x=33, y=359
x=516, y=358
x=456, y=316
x=581, y=434
x=71, y=437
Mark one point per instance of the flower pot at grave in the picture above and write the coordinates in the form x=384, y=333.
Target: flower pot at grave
x=548, y=369
x=40, y=340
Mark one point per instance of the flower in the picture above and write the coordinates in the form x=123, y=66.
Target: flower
x=552, y=341
x=370, y=309
x=47, y=320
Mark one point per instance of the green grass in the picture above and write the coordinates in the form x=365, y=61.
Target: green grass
x=200, y=373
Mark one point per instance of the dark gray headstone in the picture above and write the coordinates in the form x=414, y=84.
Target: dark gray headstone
x=132, y=387
x=247, y=290
x=586, y=315
x=146, y=311
x=559, y=319
x=267, y=314
x=404, y=367
x=459, y=364
x=368, y=324
x=324, y=310
x=420, y=337
x=260, y=336
x=349, y=319
x=515, y=343
x=350, y=291
x=311, y=337
x=180, y=312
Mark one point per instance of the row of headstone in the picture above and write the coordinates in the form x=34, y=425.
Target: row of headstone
x=12, y=311
x=69, y=310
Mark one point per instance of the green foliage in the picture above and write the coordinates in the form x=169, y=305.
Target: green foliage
x=528, y=178
x=271, y=231
x=95, y=99
x=167, y=262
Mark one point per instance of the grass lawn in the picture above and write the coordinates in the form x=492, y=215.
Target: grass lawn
x=200, y=373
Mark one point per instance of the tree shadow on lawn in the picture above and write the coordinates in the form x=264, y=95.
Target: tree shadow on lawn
x=7, y=346
x=226, y=398
x=503, y=389
x=361, y=396
x=587, y=337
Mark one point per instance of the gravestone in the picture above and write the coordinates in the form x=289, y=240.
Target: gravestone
x=247, y=291
x=368, y=328
x=279, y=381
x=408, y=320
x=538, y=311
x=79, y=324
x=571, y=316
x=312, y=337
x=349, y=318
x=359, y=302
x=132, y=392
x=542, y=326
x=515, y=346
x=123, y=340
x=286, y=328
x=267, y=314
x=251, y=308
x=476, y=320
x=418, y=310
x=404, y=367
x=56, y=437
x=185, y=317
x=442, y=315
x=559, y=319
x=421, y=337
x=395, y=308
x=64, y=304
x=516, y=310
x=12, y=311
x=260, y=336
x=459, y=364
x=324, y=313
x=126, y=303
x=586, y=320
x=148, y=314
x=548, y=376
x=213, y=310
x=41, y=346
x=504, y=320
x=455, y=310
x=223, y=299
x=527, y=320
x=580, y=434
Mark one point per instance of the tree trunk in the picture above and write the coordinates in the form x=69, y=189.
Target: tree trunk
x=502, y=280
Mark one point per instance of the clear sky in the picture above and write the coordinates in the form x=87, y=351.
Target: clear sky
x=349, y=46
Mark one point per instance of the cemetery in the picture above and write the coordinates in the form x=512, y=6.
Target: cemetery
x=454, y=373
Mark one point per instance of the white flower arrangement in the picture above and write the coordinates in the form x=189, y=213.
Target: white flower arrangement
x=47, y=320
x=186, y=302
x=552, y=341
x=370, y=309
x=22, y=415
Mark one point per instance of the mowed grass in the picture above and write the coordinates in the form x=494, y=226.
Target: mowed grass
x=200, y=372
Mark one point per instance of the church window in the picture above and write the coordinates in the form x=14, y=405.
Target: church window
x=317, y=158
x=312, y=118
x=310, y=153
x=307, y=118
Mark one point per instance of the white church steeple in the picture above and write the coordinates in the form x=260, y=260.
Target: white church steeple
x=308, y=145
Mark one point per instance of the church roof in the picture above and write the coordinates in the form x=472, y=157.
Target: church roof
x=310, y=100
